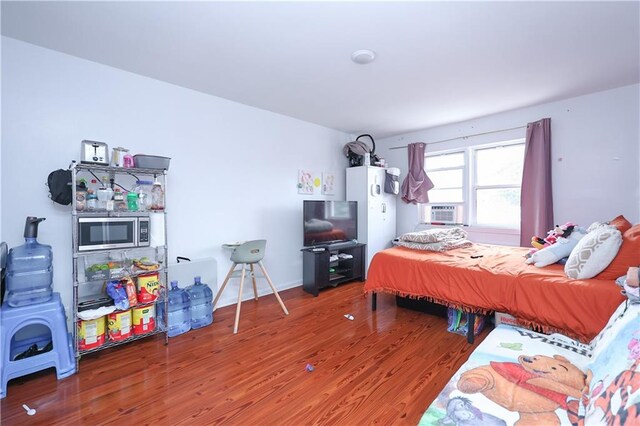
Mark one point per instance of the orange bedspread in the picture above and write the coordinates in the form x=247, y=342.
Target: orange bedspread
x=497, y=281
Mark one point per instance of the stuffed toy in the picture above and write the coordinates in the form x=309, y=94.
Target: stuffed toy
x=559, y=250
x=534, y=387
x=552, y=236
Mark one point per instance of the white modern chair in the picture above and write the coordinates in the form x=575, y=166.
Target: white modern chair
x=248, y=253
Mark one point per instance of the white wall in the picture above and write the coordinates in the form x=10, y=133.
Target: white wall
x=233, y=171
x=595, y=150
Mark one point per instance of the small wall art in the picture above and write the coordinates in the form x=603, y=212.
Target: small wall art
x=328, y=183
x=305, y=182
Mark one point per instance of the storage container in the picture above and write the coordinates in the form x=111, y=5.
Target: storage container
x=179, y=310
x=502, y=318
x=148, y=287
x=144, y=319
x=29, y=269
x=119, y=325
x=143, y=189
x=91, y=334
x=151, y=161
x=157, y=196
x=201, y=306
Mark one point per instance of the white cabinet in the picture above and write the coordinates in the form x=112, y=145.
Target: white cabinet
x=376, y=208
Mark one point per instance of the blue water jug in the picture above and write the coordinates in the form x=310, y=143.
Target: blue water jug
x=29, y=269
x=179, y=313
x=201, y=306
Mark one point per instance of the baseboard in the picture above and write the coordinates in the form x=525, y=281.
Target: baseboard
x=231, y=297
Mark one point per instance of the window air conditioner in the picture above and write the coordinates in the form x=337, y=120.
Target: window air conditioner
x=448, y=214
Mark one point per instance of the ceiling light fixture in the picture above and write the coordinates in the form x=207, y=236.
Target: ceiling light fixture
x=363, y=56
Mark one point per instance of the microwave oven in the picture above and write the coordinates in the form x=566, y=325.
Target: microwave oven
x=103, y=233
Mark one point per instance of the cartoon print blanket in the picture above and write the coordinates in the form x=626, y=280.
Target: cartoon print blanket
x=519, y=377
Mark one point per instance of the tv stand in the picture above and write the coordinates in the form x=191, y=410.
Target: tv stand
x=320, y=272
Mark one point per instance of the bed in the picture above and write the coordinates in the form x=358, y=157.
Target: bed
x=485, y=278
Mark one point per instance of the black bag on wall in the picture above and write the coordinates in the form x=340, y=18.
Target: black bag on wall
x=59, y=182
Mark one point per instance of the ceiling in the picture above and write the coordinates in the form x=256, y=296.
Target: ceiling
x=438, y=62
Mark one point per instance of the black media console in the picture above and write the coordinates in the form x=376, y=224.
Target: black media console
x=319, y=271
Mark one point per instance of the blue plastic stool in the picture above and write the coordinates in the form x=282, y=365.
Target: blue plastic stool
x=49, y=314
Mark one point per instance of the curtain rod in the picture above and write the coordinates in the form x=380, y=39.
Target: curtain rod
x=465, y=137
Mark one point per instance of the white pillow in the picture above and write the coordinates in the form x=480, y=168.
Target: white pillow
x=593, y=253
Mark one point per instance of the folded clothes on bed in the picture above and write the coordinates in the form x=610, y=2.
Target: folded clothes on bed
x=434, y=239
x=441, y=246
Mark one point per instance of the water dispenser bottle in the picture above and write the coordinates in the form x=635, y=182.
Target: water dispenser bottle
x=201, y=306
x=179, y=313
x=29, y=269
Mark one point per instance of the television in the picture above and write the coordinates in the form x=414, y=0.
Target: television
x=327, y=222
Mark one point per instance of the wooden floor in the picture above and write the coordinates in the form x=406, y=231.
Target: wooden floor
x=384, y=367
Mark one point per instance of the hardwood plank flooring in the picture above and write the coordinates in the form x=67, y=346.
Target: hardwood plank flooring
x=384, y=367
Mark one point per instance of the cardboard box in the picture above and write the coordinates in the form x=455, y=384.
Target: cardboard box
x=502, y=318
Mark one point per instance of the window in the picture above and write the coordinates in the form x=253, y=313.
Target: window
x=485, y=180
x=496, y=187
x=446, y=171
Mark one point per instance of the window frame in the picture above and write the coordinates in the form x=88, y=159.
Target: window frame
x=422, y=210
x=473, y=182
x=464, y=168
x=469, y=184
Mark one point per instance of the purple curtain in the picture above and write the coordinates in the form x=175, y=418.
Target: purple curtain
x=536, y=201
x=417, y=183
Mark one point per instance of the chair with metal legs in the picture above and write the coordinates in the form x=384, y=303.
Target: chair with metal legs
x=248, y=253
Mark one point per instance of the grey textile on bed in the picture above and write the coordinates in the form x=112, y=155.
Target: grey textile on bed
x=439, y=239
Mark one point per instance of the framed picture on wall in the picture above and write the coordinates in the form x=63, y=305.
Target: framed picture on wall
x=305, y=182
x=328, y=183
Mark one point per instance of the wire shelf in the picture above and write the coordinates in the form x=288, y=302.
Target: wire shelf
x=110, y=344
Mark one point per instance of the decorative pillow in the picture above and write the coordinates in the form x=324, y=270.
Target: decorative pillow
x=629, y=255
x=621, y=224
x=593, y=253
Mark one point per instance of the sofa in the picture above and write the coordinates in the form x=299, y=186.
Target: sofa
x=520, y=377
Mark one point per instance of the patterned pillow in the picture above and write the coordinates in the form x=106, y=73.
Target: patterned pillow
x=593, y=253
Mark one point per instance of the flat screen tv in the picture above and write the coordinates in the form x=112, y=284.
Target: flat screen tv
x=327, y=222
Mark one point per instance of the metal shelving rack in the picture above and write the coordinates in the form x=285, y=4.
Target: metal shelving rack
x=78, y=256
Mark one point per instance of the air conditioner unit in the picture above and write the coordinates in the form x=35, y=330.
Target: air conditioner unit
x=446, y=214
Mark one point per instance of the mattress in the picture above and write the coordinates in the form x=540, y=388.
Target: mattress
x=485, y=278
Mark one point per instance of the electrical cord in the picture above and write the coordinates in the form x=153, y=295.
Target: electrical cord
x=125, y=189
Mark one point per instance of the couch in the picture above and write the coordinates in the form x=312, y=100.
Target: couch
x=520, y=377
